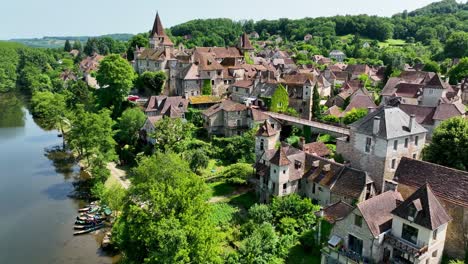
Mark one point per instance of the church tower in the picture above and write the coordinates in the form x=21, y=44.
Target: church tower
x=158, y=37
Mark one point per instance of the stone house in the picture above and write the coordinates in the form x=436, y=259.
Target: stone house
x=308, y=37
x=304, y=171
x=227, y=118
x=337, y=55
x=378, y=141
x=388, y=229
x=451, y=188
x=241, y=90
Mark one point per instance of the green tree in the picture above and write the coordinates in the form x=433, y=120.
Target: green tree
x=331, y=119
x=449, y=146
x=260, y=213
x=51, y=109
x=165, y=218
x=197, y=158
x=77, y=45
x=280, y=100
x=129, y=124
x=316, y=103
x=238, y=173
x=170, y=134
x=431, y=66
x=91, y=47
x=457, y=45
x=91, y=136
x=67, y=47
x=78, y=92
x=115, y=76
x=354, y=115
x=140, y=41
x=206, y=89
x=459, y=72
x=151, y=82
x=295, y=207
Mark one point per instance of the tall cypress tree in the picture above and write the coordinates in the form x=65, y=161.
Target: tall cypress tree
x=68, y=46
x=316, y=103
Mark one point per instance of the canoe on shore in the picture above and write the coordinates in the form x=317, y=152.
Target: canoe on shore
x=88, y=221
x=88, y=230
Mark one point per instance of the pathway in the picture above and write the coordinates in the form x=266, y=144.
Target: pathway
x=118, y=174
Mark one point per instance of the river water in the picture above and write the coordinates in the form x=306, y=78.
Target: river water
x=36, y=215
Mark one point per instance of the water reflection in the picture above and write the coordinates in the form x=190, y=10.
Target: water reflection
x=62, y=160
x=11, y=111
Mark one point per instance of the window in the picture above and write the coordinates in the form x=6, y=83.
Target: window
x=368, y=144
x=284, y=171
x=393, y=163
x=415, y=156
x=313, y=188
x=299, y=184
x=261, y=144
x=355, y=244
x=395, y=145
x=274, y=171
x=212, y=82
x=358, y=220
x=434, y=234
x=416, y=140
x=273, y=186
x=285, y=185
x=237, y=89
x=434, y=254
x=406, y=142
x=409, y=234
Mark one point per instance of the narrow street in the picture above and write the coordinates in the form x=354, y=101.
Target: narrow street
x=118, y=174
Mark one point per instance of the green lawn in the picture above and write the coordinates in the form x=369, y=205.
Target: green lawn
x=212, y=169
x=221, y=188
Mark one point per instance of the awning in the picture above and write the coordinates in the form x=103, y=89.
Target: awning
x=334, y=241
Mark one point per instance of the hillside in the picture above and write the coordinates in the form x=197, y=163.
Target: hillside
x=59, y=42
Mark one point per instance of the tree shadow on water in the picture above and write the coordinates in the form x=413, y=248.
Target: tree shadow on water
x=62, y=160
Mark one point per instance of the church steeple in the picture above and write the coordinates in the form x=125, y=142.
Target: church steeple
x=158, y=37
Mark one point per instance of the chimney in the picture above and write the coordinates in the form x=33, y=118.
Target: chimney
x=376, y=125
x=301, y=143
x=411, y=122
x=370, y=109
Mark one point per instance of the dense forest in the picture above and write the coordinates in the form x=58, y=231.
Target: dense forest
x=432, y=25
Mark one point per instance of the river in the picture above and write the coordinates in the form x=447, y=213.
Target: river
x=36, y=215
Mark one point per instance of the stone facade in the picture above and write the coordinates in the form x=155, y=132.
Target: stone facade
x=370, y=147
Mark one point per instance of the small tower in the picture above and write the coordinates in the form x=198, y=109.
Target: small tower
x=265, y=139
x=245, y=45
x=158, y=37
x=279, y=173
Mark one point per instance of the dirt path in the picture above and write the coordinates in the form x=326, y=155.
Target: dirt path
x=118, y=174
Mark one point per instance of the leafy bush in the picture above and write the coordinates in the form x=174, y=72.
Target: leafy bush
x=354, y=115
x=237, y=173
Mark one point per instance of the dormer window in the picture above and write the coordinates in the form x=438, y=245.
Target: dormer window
x=410, y=234
x=297, y=164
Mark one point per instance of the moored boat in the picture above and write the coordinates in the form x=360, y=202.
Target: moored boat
x=88, y=230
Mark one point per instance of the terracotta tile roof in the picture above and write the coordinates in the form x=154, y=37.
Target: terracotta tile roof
x=298, y=78
x=207, y=61
x=360, y=101
x=158, y=31
x=377, y=211
x=245, y=42
x=258, y=115
x=446, y=111
x=351, y=182
x=424, y=114
x=446, y=183
x=337, y=211
x=317, y=149
x=154, y=119
x=429, y=212
x=220, y=52
x=280, y=158
x=162, y=103
x=358, y=69
x=203, y=99
x=334, y=111
x=91, y=63
x=244, y=84
x=408, y=90
x=190, y=72
x=266, y=130
x=436, y=82
x=226, y=105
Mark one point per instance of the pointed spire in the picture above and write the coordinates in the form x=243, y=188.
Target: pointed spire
x=280, y=158
x=266, y=130
x=436, y=81
x=245, y=42
x=158, y=29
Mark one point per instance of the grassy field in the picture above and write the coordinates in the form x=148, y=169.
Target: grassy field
x=10, y=44
x=212, y=169
x=388, y=42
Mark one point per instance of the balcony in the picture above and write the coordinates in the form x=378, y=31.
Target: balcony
x=342, y=255
x=405, y=246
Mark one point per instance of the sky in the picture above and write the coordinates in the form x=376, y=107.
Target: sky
x=38, y=18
